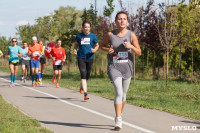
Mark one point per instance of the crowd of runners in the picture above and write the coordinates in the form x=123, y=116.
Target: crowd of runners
x=119, y=44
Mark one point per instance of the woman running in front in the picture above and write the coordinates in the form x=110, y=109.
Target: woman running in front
x=58, y=56
x=123, y=43
x=14, y=52
x=87, y=45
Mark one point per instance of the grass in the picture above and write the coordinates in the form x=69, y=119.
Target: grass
x=180, y=97
x=13, y=121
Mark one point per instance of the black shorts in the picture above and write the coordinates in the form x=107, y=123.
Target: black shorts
x=57, y=67
x=14, y=63
x=85, y=67
x=26, y=63
x=43, y=60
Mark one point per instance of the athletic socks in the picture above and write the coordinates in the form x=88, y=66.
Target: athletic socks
x=85, y=93
x=39, y=75
x=32, y=78
x=12, y=77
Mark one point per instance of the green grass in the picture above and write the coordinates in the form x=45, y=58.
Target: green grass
x=180, y=97
x=13, y=121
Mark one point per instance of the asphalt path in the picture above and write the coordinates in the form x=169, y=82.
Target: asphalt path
x=63, y=110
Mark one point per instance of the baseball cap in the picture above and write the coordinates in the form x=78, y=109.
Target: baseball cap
x=34, y=38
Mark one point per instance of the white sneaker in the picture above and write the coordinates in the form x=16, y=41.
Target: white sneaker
x=118, y=123
x=22, y=78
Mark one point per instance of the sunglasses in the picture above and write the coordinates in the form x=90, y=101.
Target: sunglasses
x=14, y=41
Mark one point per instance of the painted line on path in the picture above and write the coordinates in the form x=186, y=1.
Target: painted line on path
x=84, y=108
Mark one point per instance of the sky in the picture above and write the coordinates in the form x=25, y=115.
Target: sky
x=22, y=12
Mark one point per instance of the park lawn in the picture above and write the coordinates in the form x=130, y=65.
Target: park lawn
x=13, y=121
x=180, y=97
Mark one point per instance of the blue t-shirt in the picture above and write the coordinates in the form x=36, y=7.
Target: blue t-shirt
x=85, y=43
x=13, y=50
x=25, y=53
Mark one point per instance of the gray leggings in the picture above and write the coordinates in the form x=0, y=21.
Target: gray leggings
x=121, y=87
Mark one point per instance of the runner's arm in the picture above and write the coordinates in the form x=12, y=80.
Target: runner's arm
x=106, y=41
x=75, y=48
x=135, y=45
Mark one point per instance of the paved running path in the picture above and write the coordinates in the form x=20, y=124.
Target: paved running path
x=63, y=110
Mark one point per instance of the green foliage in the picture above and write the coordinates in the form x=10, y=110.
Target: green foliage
x=4, y=43
x=109, y=10
x=13, y=121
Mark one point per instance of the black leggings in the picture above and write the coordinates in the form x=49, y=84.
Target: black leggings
x=85, y=67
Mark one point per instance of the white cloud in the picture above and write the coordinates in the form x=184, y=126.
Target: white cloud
x=24, y=22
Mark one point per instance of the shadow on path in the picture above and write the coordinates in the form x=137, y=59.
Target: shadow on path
x=80, y=125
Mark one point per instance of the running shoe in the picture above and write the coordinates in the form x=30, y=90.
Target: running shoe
x=81, y=90
x=24, y=80
x=54, y=79
x=37, y=83
x=118, y=123
x=11, y=84
x=57, y=85
x=86, y=97
x=40, y=82
x=33, y=84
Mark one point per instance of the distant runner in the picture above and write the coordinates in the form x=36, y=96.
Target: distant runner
x=14, y=52
x=25, y=62
x=58, y=56
x=87, y=45
x=42, y=64
x=120, y=61
x=35, y=50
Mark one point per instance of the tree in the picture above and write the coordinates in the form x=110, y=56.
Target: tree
x=109, y=10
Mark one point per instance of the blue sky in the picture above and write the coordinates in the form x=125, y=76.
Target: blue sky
x=20, y=12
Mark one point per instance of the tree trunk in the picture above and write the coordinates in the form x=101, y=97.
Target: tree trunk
x=158, y=73
x=154, y=63
x=192, y=61
x=180, y=59
x=147, y=57
x=68, y=69
x=142, y=58
x=95, y=66
x=164, y=65
x=167, y=66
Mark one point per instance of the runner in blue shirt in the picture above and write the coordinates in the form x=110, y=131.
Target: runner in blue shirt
x=87, y=45
x=14, y=52
x=25, y=62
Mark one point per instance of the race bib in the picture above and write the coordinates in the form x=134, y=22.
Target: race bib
x=24, y=56
x=85, y=41
x=120, y=57
x=58, y=62
x=36, y=53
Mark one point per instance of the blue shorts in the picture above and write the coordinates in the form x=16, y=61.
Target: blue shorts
x=35, y=63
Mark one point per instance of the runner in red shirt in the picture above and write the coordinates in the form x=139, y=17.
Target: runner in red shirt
x=58, y=56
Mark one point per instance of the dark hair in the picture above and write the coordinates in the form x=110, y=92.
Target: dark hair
x=86, y=21
x=24, y=42
x=58, y=40
x=40, y=41
x=121, y=12
x=13, y=38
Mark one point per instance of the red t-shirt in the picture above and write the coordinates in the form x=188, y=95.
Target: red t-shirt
x=58, y=53
x=35, y=50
